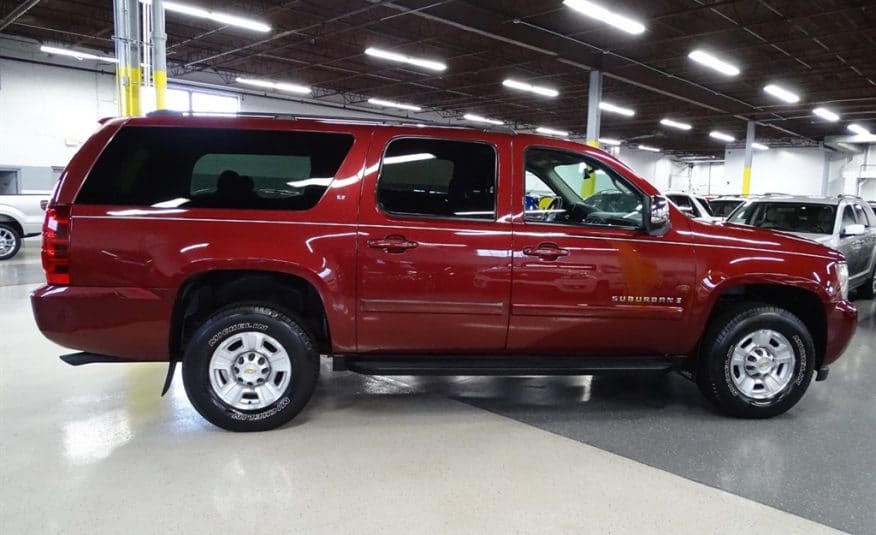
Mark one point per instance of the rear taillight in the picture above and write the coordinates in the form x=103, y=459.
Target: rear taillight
x=56, y=245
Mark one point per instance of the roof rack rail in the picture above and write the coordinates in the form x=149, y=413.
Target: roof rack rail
x=848, y=195
x=328, y=118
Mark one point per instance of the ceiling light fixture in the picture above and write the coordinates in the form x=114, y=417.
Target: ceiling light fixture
x=782, y=94
x=606, y=106
x=858, y=129
x=279, y=86
x=595, y=11
x=722, y=136
x=609, y=141
x=649, y=149
x=704, y=58
x=551, y=131
x=401, y=58
x=76, y=54
x=392, y=104
x=675, y=124
x=759, y=146
x=538, y=90
x=216, y=16
x=479, y=119
x=826, y=114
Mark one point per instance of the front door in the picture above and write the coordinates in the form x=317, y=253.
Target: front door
x=587, y=279
x=434, y=245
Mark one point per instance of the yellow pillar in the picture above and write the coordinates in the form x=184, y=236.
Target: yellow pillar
x=160, y=78
x=588, y=187
x=134, y=77
x=746, y=180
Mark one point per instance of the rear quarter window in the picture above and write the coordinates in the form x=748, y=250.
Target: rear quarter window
x=215, y=168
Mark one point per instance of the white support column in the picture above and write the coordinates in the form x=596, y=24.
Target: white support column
x=594, y=116
x=749, y=156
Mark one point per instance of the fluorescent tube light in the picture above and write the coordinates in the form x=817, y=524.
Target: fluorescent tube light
x=858, y=129
x=781, y=93
x=595, y=11
x=551, y=131
x=401, y=58
x=759, y=146
x=76, y=54
x=392, y=104
x=478, y=119
x=675, y=124
x=825, y=113
x=538, y=90
x=279, y=86
x=721, y=135
x=216, y=16
x=405, y=158
x=649, y=149
x=711, y=61
x=609, y=141
x=606, y=106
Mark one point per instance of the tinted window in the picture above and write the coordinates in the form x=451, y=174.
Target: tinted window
x=861, y=214
x=430, y=177
x=848, y=217
x=685, y=205
x=215, y=168
x=565, y=187
x=723, y=208
x=791, y=217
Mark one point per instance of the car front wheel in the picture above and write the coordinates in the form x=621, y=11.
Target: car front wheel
x=10, y=241
x=250, y=368
x=756, y=361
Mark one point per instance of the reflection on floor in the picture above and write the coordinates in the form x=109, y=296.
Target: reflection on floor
x=95, y=449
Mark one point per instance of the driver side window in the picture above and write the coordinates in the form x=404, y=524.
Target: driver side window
x=568, y=188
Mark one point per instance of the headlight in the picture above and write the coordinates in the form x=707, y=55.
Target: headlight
x=842, y=271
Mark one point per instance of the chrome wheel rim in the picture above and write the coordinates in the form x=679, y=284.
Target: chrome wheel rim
x=7, y=241
x=250, y=370
x=762, y=364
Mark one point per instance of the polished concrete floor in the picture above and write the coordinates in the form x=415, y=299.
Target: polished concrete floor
x=95, y=450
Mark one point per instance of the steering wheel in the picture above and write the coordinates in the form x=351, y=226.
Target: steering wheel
x=595, y=219
x=553, y=209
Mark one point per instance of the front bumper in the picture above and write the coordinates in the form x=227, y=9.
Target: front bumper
x=842, y=320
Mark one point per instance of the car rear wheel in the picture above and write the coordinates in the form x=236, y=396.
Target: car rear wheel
x=10, y=241
x=756, y=361
x=250, y=368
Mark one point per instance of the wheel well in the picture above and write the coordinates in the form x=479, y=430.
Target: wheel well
x=203, y=294
x=5, y=219
x=802, y=303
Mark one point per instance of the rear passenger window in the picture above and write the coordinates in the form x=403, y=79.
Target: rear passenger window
x=438, y=178
x=215, y=168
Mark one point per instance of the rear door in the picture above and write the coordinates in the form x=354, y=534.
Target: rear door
x=587, y=279
x=434, y=244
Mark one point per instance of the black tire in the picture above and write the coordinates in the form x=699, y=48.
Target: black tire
x=8, y=232
x=233, y=322
x=735, y=326
x=867, y=290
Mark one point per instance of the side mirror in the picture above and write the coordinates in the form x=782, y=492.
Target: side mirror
x=854, y=230
x=657, y=221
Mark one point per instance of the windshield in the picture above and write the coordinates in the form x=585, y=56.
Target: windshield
x=723, y=207
x=787, y=216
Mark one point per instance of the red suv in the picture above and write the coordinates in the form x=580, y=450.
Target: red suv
x=246, y=247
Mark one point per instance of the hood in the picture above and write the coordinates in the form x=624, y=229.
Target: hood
x=825, y=239
x=743, y=237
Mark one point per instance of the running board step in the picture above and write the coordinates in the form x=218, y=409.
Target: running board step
x=425, y=365
x=78, y=359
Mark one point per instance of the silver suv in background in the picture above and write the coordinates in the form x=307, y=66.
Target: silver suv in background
x=845, y=223
x=21, y=216
x=693, y=206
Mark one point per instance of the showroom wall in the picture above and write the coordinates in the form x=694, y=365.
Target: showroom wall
x=47, y=111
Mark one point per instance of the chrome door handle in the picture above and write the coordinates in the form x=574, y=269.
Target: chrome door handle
x=546, y=251
x=393, y=244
